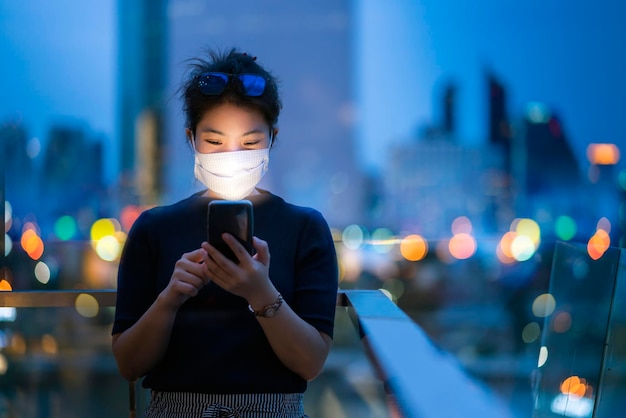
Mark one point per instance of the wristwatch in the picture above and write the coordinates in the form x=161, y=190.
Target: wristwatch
x=268, y=311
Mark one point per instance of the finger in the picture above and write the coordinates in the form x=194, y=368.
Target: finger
x=262, y=250
x=190, y=278
x=240, y=252
x=186, y=288
x=214, y=262
x=195, y=256
x=217, y=258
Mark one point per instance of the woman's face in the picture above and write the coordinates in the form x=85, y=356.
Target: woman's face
x=228, y=127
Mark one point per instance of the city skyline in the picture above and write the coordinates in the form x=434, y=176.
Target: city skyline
x=572, y=69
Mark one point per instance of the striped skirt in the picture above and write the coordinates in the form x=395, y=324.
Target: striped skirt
x=201, y=405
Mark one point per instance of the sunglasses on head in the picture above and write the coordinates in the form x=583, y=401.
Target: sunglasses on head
x=214, y=83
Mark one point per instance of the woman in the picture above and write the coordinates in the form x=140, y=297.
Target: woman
x=215, y=337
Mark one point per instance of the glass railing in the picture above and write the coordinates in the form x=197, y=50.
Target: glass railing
x=582, y=359
x=388, y=368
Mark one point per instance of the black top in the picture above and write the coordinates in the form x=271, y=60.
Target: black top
x=217, y=345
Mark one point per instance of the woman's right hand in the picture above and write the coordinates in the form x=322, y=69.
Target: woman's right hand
x=186, y=281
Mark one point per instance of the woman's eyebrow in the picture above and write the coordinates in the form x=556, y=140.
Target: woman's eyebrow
x=254, y=132
x=211, y=130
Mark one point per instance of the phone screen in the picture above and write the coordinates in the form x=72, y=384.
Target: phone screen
x=234, y=217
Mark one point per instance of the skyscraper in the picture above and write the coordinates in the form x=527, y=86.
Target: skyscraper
x=142, y=73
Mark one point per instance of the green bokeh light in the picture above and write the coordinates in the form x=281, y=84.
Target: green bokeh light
x=65, y=228
x=565, y=228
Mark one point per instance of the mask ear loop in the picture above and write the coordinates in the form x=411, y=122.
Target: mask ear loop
x=193, y=142
x=272, y=137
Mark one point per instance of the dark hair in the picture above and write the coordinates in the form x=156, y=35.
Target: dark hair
x=196, y=104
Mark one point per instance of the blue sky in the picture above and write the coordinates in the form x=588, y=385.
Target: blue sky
x=59, y=62
x=566, y=54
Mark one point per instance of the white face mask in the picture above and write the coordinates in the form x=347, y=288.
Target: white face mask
x=232, y=175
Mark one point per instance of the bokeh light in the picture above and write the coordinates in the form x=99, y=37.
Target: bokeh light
x=461, y=225
x=8, y=245
x=49, y=344
x=604, y=224
x=8, y=314
x=107, y=238
x=5, y=286
x=522, y=248
x=350, y=266
x=543, y=305
x=413, y=247
x=33, y=148
x=87, y=305
x=4, y=364
x=603, y=154
x=129, y=215
x=8, y=215
x=32, y=243
x=503, y=250
x=565, y=228
x=530, y=229
x=598, y=244
x=537, y=112
x=102, y=228
x=575, y=385
x=543, y=356
x=383, y=240
x=108, y=248
x=622, y=179
x=352, y=236
x=65, y=228
x=531, y=332
x=562, y=322
x=42, y=272
x=462, y=246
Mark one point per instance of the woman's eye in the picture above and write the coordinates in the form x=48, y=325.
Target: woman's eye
x=253, y=142
x=213, y=141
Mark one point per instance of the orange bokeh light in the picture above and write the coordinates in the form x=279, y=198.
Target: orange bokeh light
x=5, y=286
x=413, y=247
x=576, y=386
x=598, y=244
x=603, y=154
x=32, y=244
x=505, y=244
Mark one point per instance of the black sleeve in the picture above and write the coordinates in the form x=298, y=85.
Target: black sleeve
x=315, y=296
x=136, y=280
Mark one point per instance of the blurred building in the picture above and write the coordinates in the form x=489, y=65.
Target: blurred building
x=142, y=70
x=71, y=177
x=308, y=46
x=429, y=183
x=18, y=174
x=499, y=125
x=435, y=179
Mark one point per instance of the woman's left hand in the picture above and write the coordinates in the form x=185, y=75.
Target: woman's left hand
x=248, y=279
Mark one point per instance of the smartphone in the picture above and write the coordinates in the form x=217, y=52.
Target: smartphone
x=234, y=217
